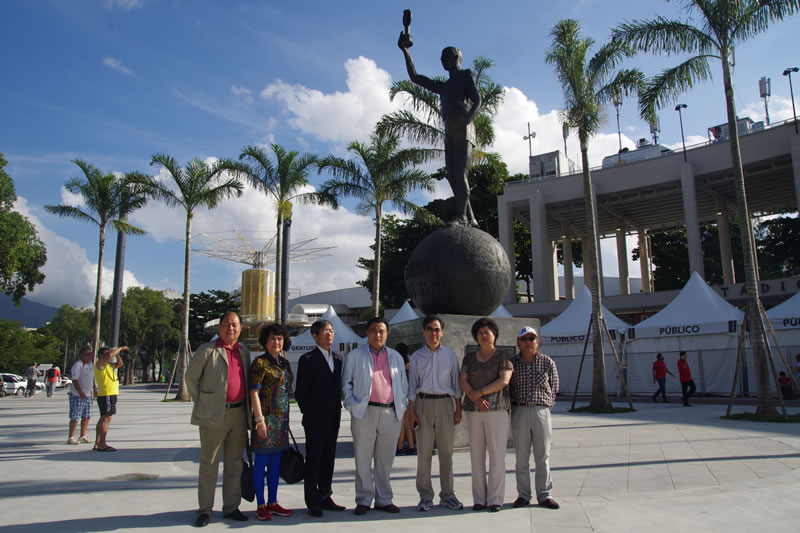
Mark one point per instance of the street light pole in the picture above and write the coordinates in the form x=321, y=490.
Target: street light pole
x=528, y=138
x=680, y=117
x=788, y=72
x=617, y=99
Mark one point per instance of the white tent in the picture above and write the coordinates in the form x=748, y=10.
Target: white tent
x=563, y=339
x=501, y=312
x=345, y=339
x=404, y=314
x=785, y=320
x=698, y=321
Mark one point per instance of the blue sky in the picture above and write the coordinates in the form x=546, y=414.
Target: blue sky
x=115, y=81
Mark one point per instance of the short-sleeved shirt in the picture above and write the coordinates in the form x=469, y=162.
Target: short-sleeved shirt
x=684, y=372
x=83, y=375
x=480, y=375
x=660, y=369
x=107, y=380
x=534, y=382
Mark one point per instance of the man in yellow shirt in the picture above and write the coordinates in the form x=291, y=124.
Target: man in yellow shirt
x=105, y=374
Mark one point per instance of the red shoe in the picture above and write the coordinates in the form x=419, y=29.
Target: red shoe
x=262, y=513
x=277, y=510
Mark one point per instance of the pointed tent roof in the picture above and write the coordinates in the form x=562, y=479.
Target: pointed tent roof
x=344, y=334
x=696, y=310
x=787, y=314
x=404, y=314
x=572, y=323
x=501, y=312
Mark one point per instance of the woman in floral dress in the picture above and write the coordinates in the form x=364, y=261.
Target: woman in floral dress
x=270, y=383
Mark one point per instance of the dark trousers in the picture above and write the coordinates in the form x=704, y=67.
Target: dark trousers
x=662, y=389
x=688, y=388
x=320, y=457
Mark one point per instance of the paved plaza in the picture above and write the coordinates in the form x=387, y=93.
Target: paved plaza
x=662, y=468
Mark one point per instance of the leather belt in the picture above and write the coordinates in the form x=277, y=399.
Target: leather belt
x=233, y=405
x=528, y=404
x=378, y=404
x=432, y=396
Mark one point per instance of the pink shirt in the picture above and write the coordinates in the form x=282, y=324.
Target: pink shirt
x=381, y=391
x=236, y=390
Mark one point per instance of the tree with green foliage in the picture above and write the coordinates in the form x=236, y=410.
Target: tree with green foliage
x=19, y=348
x=71, y=328
x=147, y=320
x=193, y=186
x=100, y=195
x=382, y=173
x=283, y=180
x=207, y=306
x=712, y=30
x=22, y=253
x=588, y=85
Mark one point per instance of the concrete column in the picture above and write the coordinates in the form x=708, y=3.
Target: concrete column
x=644, y=261
x=794, y=146
x=554, y=269
x=569, y=282
x=726, y=257
x=622, y=261
x=691, y=220
x=542, y=252
x=505, y=222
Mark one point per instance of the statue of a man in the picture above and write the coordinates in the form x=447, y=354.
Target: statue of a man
x=460, y=102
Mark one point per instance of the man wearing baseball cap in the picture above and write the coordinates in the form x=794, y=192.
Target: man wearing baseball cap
x=533, y=389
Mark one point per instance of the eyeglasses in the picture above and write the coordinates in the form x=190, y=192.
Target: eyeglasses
x=527, y=339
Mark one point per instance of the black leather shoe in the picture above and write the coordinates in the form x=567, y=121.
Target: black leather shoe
x=550, y=503
x=315, y=511
x=330, y=505
x=237, y=515
x=361, y=509
x=495, y=508
x=202, y=520
x=389, y=508
x=521, y=502
x=478, y=507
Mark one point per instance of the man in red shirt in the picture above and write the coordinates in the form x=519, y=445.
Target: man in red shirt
x=660, y=375
x=685, y=375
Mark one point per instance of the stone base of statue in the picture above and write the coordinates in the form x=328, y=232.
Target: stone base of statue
x=458, y=269
x=458, y=337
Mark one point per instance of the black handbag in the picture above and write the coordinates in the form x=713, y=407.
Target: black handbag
x=293, y=464
x=248, y=490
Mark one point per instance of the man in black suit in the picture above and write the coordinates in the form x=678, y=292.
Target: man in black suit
x=319, y=396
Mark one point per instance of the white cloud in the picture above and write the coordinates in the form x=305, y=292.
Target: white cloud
x=127, y=5
x=338, y=117
x=115, y=64
x=780, y=108
x=74, y=200
x=70, y=276
x=243, y=93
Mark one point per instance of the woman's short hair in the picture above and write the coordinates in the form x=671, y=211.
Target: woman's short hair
x=485, y=322
x=272, y=329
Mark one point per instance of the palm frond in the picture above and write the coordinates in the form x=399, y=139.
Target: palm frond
x=127, y=228
x=405, y=123
x=68, y=211
x=666, y=86
x=665, y=36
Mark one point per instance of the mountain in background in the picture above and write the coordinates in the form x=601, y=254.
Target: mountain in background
x=30, y=314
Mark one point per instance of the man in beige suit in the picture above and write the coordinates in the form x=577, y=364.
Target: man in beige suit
x=217, y=380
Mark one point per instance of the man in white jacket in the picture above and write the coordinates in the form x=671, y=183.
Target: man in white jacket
x=374, y=390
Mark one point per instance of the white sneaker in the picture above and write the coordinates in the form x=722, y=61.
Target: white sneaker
x=452, y=502
x=72, y=440
x=424, y=505
x=84, y=440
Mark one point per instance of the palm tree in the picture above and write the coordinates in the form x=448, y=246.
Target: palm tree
x=424, y=123
x=101, y=195
x=379, y=175
x=588, y=86
x=281, y=180
x=719, y=26
x=195, y=185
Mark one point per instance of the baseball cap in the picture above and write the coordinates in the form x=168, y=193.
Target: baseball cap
x=527, y=329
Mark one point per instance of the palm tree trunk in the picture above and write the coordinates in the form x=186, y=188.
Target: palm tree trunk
x=183, y=393
x=376, y=275
x=599, y=392
x=278, y=266
x=765, y=405
x=98, y=298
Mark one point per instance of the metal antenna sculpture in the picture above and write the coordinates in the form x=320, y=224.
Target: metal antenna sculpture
x=235, y=246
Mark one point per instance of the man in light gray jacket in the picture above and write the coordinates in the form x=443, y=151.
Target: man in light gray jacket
x=374, y=390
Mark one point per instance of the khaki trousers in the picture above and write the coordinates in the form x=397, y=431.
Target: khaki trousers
x=374, y=437
x=531, y=426
x=435, y=424
x=229, y=436
x=488, y=432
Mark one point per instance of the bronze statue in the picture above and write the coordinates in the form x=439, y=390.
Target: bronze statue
x=460, y=102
